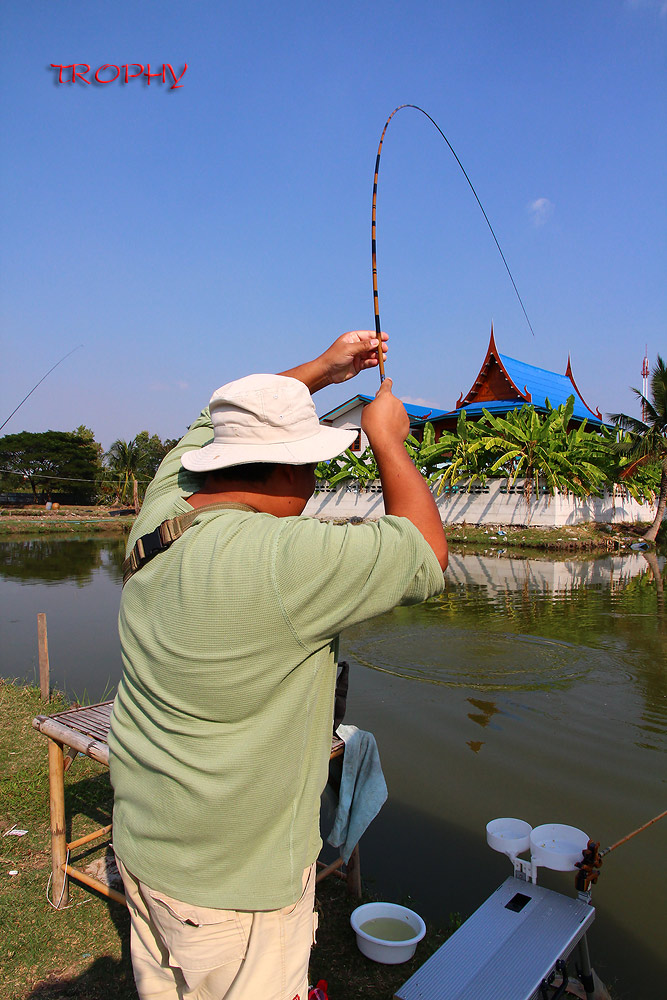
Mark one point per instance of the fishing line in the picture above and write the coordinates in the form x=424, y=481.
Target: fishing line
x=373, y=226
x=69, y=479
x=39, y=383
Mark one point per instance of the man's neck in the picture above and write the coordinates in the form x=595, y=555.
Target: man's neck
x=206, y=497
x=284, y=492
x=264, y=503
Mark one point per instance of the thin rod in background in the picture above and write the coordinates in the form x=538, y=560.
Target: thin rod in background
x=39, y=383
x=376, y=307
x=633, y=834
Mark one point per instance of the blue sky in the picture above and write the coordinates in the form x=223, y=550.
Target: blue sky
x=187, y=237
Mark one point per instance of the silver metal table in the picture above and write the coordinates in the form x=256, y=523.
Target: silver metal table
x=505, y=949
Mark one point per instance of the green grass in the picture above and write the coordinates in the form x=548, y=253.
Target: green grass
x=68, y=520
x=82, y=952
x=17, y=528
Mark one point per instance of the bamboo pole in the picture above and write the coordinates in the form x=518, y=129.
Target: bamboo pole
x=95, y=883
x=337, y=872
x=43, y=644
x=89, y=837
x=354, y=874
x=95, y=749
x=59, y=889
x=329, y=869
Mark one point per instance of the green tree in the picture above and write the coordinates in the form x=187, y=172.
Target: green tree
x=86, y=434
x=153, y=451
x=50, y=461
x=648, y=438
x=136, y=462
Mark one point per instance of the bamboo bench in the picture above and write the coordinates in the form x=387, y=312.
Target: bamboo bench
x=86, y=730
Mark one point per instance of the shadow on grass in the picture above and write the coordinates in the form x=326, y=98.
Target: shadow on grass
x=106, y=979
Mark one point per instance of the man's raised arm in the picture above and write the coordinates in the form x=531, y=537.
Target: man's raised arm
x=406, y=492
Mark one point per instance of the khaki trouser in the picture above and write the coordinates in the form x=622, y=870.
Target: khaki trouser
x=185, y=952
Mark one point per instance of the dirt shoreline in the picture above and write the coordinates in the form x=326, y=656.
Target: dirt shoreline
x=590, y=537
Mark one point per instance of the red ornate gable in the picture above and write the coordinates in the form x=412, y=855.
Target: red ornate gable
x=493, y=381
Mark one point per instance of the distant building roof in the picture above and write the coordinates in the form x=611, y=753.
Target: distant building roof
x=416, y=413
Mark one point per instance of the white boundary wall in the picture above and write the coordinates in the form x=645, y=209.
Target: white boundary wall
x=494, y=503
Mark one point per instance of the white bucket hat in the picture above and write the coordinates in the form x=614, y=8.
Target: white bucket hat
x=266, y=418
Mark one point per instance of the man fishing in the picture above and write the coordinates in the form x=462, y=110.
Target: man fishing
x=221, y=729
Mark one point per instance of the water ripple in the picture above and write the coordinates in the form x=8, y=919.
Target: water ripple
x=485, y=660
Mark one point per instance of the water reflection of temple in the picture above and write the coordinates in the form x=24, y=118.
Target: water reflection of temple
x=505, y=573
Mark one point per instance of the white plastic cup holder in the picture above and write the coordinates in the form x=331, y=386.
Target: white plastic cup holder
x=508, y=836
x=557, y=846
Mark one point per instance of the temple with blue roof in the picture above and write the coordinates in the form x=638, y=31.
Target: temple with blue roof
x=503, y=384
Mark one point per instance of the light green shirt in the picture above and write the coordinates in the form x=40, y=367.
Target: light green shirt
x=221, y=729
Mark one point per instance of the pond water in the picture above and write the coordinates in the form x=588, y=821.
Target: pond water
x=531, y=688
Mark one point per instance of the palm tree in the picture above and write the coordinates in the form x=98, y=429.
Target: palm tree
x=126, y=459
x=649, y=437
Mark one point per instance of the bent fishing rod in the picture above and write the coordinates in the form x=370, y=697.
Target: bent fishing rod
x=376, y=307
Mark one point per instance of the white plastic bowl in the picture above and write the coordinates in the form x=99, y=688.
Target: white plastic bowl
x=508, y=836
x=557, y=846
x=378, y=949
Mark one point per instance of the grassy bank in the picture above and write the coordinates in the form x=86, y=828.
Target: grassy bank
x=83, y=951
x=48, y=954
x=67, y=520
x=593, y=538
x=590, y=537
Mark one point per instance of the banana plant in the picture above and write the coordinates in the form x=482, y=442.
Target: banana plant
x=361, y=469
x=543, y=450
x=431, y=456
x=466, y=455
